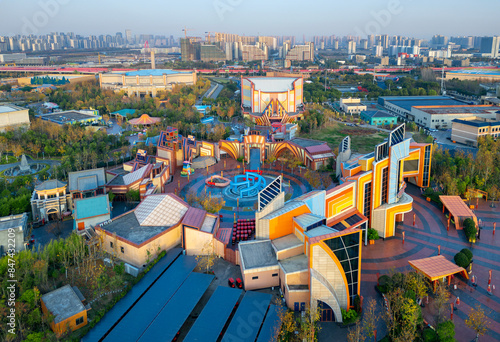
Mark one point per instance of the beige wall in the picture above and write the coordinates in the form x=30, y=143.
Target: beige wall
x=93, y=221
x=15, y=118
x=466, y=133
x=291, y=252
x=137, y=256
x=265, y=279
x=297, y=278
x=195, y=240
x=300, y=296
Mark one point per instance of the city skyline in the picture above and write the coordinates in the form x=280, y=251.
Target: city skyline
x=395, y=17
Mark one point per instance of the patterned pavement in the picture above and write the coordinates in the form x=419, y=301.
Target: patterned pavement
x=422, y=241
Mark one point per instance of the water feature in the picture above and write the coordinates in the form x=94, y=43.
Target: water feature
x=24, y=168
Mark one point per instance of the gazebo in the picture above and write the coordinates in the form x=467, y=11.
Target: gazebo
x=458, y=209
x=436, y=268
x=144, y=120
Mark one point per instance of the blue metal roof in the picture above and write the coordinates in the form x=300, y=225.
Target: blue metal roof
x=246, y=322
x=118, y=311
x=92, y=206
x=125, y=112
x=212, y=319
x=171, y=318
x=137, y=320
x=268, y=331
x=155, y=72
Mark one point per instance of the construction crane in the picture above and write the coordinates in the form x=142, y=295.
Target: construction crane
x=146, y=50
x=185, y=29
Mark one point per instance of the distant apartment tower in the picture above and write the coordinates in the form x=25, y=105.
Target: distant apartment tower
x=351, y=47
x=490, y=45
x=212, y=53
x=378, y=51
x=363, y=44
x=371, y=40
x=128, y=36
x=439, y=41
x=300, y=52
x=254, y=53
x=271, y=42
x=190, y=49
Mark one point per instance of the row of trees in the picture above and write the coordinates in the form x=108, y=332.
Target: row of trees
x=15, y=197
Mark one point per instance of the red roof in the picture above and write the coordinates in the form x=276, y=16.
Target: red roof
x=194, y=217
x=318, y=149
x=223, y=235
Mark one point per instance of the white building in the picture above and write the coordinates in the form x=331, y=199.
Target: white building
x=13, y=229
x=441, y=117
x=352, y=106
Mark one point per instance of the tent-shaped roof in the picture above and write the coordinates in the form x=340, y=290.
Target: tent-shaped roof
x=437, y=267
x=144, y=120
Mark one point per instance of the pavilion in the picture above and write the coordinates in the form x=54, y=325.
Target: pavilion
x=458, y=209
x=436, y=268
x=145, y=120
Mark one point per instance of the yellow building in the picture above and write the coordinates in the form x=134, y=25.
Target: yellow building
x=66, y=304
x=468, y=130
x=12, y=116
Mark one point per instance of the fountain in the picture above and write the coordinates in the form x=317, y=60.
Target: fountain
x=24, y=168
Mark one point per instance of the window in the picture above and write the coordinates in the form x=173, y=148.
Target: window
x=275, y=274
x=122, y=249
x=256, y=277
x=79, y=320
x=368, y=200
x=385, y=181
x=111, y=244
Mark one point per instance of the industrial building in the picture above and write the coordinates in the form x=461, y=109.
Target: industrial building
x=441, y=117
x=146, y=82
x=72, y=117
x=72, y=79
x=272, y=99
x=489, y=76
x=469, y=130
x=378, y=117
x=12, y=116
x=401, y=105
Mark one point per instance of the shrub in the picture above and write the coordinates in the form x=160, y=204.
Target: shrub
x=461, y=260
x=385, y=283
x=470, y=229
x=429, y=335
x=398, y=280
x=446, y=331
x=411, y=294
x=372, y=234
x=119, y=268
x=349, y=317
x=468, y=253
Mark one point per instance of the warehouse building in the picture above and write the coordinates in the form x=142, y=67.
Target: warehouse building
x=401, y=105
x=469, y=130
x=441, y=117
x=12, y=116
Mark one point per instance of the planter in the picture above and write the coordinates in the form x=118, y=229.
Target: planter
x=372, y=242
x=428, y=199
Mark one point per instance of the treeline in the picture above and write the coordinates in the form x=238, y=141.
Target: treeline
x=15, y=197
x=39, y=80
x=455, y=175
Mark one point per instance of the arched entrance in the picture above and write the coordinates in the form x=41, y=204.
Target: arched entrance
x=52, y=214
x=326, y=313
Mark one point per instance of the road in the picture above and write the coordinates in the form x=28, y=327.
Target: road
x=31, y=161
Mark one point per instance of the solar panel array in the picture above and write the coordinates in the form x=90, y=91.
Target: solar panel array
x=269, y=193
x=397, y=135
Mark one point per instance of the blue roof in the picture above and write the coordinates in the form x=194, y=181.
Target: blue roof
x=377, y=114
x=125, y=112
x=92, y=206
x=137, y=320
x=494, y=72
x=212, y=319
x=270, y=325
x=406, y=102
x=171, y=318
x=155, y=72
x=247, y=320
x=119, y=309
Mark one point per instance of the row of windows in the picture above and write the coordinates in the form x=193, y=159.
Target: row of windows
x=494, y=129
x=257, y=277
x=427, y=157
x=385, y=181
x=368, y=200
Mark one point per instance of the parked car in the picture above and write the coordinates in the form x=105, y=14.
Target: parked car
x=230, y=282
x=239, y=283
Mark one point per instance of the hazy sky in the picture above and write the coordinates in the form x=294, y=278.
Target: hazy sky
x=415, y=18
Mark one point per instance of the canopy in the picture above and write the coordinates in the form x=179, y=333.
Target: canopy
x=458, y=209
x=437, y=267
x=144, y=120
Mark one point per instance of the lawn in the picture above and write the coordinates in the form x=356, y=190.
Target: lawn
x=363, y=140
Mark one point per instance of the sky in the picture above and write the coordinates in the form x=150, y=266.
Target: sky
x=412, y=18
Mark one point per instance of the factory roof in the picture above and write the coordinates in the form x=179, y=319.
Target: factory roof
x=5, y=108
x=477, y=122
x=70, y=116
x=461, y=109
x=155, y=72
x=494, y=72
x=273, y=84
x=406, y=102
x=377, y=114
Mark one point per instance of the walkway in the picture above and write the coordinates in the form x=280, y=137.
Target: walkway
x=422, y=241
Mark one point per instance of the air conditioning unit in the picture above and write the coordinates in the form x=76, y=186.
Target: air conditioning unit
x=132, y=270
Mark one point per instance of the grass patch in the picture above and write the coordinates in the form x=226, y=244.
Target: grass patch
x=420, y=138
x=10, y=160
x=363, y=140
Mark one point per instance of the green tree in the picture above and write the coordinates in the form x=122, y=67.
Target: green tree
x=477, y=321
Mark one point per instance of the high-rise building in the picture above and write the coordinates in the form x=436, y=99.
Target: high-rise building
x=351, y=47
x=300, y=52
x=271, y=42
x=363, y=44
x=212, y=53
x=371, y=40
x=190, y=49
x=490, y=45
x=378, y=51
x=253, y=52
x=438, y=41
